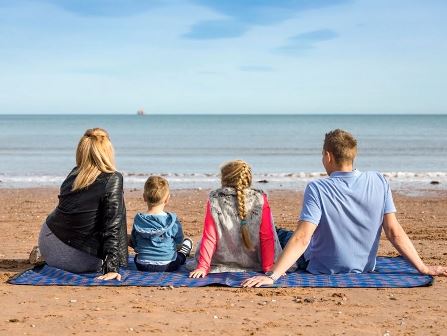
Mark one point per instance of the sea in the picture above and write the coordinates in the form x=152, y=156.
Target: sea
x=283, y=150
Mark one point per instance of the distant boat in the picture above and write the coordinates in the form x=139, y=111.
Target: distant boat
x=140, y=112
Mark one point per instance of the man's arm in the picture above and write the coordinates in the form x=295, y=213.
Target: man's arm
x=397, y=236
x=293, y=250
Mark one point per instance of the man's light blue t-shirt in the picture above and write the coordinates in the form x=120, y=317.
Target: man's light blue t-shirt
x=348, y=208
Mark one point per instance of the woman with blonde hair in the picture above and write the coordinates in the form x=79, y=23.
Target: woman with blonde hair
x=238, y=233
x=87, y=231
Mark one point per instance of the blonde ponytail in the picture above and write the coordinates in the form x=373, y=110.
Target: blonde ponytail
x=237, y=174
x=94, y=156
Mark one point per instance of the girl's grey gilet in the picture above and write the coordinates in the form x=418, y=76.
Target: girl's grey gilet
x=231, y=254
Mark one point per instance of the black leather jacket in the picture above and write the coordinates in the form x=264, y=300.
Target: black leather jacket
x=93, y=219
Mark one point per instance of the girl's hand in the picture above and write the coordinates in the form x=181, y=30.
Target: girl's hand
x=197, y=273
x=110, y=276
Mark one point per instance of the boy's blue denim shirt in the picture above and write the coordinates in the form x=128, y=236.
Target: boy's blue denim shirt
x=155, y=237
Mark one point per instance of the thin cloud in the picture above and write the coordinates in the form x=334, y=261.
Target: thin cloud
x=307, y=41
x=256, y=68
x=112, y=8
x=216, y=29
x=243, y=15
x=210, y=73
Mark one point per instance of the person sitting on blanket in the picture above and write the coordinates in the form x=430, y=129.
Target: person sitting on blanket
x=157, y=236
x=87, y=231
x=238, y=231
x=342, y=219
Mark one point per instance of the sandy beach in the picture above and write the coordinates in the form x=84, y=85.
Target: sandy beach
x=28, y=310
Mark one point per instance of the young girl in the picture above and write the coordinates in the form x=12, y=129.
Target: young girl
x=238, y=232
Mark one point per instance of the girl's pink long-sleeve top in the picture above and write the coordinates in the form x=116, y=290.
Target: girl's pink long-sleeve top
x=266, y=239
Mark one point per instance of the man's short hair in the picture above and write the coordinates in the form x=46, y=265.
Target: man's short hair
x=156, y=189
x=342, y=145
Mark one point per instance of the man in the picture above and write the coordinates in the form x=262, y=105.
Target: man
x=342, y=218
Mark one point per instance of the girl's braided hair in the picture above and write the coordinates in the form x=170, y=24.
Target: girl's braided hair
x=237, y=174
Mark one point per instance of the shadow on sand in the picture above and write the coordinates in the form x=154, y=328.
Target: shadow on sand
x=10, y=267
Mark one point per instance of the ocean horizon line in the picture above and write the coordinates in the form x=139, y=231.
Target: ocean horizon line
x=225, y=114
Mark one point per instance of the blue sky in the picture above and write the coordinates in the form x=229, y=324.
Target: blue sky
x=203, y=56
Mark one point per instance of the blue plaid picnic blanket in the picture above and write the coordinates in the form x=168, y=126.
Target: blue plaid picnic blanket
x=389, y=273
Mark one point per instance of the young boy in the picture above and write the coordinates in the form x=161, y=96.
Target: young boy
x=157, y=236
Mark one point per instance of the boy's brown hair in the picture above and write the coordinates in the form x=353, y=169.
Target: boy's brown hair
x=342, y=145
x=156, y=189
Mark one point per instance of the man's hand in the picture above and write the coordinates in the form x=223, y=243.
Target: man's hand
x=197, y=273
x=397, y=236
x=257, y=281
x=110, y=276
x=435, y=270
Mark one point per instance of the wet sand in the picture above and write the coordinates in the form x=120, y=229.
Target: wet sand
x=31, y=310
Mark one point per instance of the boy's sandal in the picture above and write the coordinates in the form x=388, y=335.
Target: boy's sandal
x=186, y=247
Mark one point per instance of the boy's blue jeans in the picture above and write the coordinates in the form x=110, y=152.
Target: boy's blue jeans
x=171, y=267
x=284, y=236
